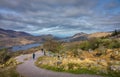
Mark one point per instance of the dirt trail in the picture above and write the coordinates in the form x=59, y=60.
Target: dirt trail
x=28, y=69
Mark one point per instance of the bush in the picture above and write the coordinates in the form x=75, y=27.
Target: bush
x=96, y=43
x=4, y=56
x=73, y=66
x=53, y=46
x=85, y=45
x=90, y=44
x=114, y=44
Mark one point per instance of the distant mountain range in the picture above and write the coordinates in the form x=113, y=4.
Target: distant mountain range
x=10, y=38
x=83, y=36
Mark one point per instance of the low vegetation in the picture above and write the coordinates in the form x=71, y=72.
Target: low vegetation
x=52, y=45
x=87, y=62
x=8, y=64
x=116, y=32
x=9, y=72
x=100, y=56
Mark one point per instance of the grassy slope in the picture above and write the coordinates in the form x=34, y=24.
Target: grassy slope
x=80, y=71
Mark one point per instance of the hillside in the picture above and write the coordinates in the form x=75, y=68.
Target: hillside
x=99, y=34
x=12, y=34
x=79, y=37
x=10, y=38
x=83, y=36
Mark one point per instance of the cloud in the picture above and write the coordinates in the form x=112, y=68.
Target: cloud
x=60, y=17
x=112, y=4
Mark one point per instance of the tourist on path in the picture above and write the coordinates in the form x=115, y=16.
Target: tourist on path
x=33, y=55
x=43, y=52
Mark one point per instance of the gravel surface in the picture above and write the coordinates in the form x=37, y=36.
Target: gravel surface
x=28, y=69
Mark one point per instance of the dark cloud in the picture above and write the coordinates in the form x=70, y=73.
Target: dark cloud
x=60, y=17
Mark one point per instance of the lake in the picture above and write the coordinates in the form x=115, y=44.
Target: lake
x=24, y=47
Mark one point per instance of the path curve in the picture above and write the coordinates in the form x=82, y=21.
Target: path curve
x=28, y=69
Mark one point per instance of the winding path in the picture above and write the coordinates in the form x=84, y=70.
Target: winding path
x=28, y=69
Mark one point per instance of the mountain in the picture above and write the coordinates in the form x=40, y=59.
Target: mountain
x=10, y=38
x=79, y=37
x=11, y=33
x=83, y=36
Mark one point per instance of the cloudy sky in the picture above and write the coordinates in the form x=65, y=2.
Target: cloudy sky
x=60, y=17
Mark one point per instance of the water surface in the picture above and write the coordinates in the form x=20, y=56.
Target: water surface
x=24, y=47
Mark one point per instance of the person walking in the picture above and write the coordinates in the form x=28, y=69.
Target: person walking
x=33, y=55
x=43, y=52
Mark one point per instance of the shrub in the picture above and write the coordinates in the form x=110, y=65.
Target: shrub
x=85, y=45
x=53, y=46
x=4, y=56
x=114, y=44
x=90, y=44
x=73, y=66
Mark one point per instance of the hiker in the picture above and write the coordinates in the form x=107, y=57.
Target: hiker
x=33, y=55
x=58, y=57
x=43, y=52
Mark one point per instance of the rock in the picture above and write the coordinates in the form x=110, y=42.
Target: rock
x=115, y=67
x=82, y=58
x=40, y=63
x=59, y=62
x=90, y=50
x=116, y=52
x=1, y=66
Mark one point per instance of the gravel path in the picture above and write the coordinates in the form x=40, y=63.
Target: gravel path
x=28, y=69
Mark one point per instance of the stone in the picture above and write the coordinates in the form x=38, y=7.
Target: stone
x=59, y=62
x=90, y=50
x=115, y=67
x=116, y=52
